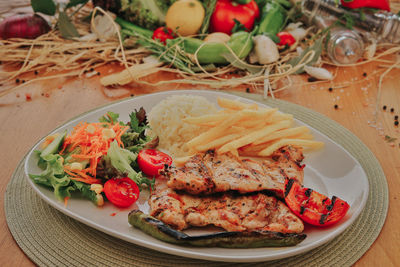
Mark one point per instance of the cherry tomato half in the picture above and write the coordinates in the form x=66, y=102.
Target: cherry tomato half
x=122, y=192
x=152, y=161
x=313, y=207
x=286, y=39
x=162, y=34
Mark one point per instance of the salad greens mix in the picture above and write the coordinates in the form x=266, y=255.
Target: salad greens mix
x=92, y=154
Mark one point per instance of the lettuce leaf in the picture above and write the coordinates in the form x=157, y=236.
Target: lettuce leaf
x=54, y=177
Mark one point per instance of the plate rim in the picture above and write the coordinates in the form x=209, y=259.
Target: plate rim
x=176, y=251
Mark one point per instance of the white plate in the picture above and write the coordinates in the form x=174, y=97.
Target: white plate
x=331, y=171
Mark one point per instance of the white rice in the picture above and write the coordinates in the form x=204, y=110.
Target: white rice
x=166, y=117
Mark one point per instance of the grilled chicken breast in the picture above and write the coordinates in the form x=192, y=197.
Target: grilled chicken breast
x=211, y=173
x=231, y=211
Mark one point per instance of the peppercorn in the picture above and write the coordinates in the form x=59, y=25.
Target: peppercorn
x=17, y=80
x=98, y=73
x=330, y=89
x=384, y=107
x=392, y=110
x=336, y=106
x=396, y=123
x=396, y=117
x=247, y=90
x=365, y=74
x=36, y=72
x=23, y=81
x=311, y=79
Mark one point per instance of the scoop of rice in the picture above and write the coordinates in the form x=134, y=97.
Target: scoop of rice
x=166, y=120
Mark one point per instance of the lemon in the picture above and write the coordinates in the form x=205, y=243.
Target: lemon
x=185, y=17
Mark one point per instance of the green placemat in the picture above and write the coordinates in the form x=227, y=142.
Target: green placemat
x=50, y=238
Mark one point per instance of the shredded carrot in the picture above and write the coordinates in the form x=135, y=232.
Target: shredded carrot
x=90, y=144
x=66, y=201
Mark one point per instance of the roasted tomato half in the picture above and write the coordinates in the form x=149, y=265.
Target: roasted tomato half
x=313, y=207
x=122, y=192
x=152, y=161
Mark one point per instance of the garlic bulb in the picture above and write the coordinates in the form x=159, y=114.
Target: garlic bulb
x=265, y=50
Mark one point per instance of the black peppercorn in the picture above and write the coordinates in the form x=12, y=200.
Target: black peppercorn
x=396, y=117
x=330, y=89
x=365, y=74
x=392, y=110
x=384, y=107
x=17, y=80
x=36, y=72
x=396, y=123
x=311, y=79
x=336, y=106
x=247, y=90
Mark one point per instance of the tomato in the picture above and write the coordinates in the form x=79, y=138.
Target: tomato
x=122, y=192
x=313, y=207
x=379, y=4
x=162, y=34
x=227, y=11
x=286, y=39
x=152, y=161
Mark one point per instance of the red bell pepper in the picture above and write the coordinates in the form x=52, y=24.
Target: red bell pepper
x=379, y=4
x=228, y=11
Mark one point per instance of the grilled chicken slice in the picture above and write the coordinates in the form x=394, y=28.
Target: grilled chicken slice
x=231, y=211
x=211, y=173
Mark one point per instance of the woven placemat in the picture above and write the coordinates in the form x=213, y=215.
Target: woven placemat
x=50, y=238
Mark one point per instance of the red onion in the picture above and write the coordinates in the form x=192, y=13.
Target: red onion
x=27, y=26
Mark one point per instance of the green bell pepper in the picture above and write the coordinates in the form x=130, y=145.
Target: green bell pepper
x=241, y=43
x=272, y=19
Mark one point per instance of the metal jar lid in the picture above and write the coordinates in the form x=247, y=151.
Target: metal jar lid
x=345, y=46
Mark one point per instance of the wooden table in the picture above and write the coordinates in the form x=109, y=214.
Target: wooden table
x=24, y=122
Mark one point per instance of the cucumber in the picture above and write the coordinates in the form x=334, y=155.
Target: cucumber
x=52, y=148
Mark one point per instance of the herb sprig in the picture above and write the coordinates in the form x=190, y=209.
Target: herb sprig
x=64, y=24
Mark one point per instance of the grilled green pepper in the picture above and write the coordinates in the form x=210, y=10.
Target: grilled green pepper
x=255, y=239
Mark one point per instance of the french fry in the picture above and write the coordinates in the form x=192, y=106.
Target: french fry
x=254, y=149
x=285, y=142
x=282, y=134
x=252, y=136
x=211, y=119
x=213, y=133
x=248, y=130
x=217, y=142
x=181, y=160
x=234, y=104
x=260, y=113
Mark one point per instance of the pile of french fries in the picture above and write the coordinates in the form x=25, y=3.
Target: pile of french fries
x=248, y=130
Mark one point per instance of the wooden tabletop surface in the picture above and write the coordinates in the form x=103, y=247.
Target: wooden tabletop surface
x=355, y=92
